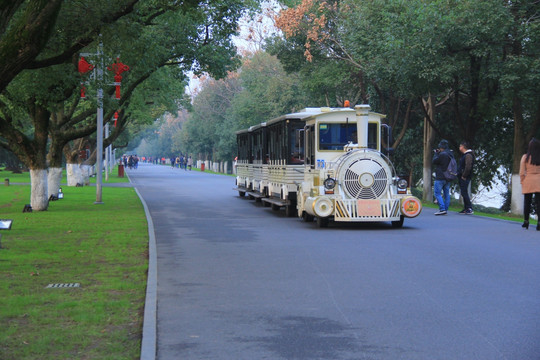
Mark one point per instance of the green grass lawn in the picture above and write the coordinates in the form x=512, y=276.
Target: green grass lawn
x=102, y=247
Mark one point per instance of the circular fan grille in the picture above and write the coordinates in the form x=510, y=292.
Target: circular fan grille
x=365, y=178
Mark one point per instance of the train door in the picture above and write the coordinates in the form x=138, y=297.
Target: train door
x=309, y=141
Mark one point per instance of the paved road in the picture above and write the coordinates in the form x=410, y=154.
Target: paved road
x=239, y=281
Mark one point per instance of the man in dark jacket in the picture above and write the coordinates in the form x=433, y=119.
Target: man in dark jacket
x=441, y=159
x=464, y=175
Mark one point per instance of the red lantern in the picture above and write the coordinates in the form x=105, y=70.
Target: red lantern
x=118, y=68
x=84, y=67
x=115, y=118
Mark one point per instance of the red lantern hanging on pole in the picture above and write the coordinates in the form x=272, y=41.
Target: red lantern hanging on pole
x=84, y=67
x=118, y=68
x=115, y=118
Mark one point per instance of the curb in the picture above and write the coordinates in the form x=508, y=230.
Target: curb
x=149, y=333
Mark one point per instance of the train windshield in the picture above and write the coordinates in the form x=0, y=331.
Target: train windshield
x=336, y=136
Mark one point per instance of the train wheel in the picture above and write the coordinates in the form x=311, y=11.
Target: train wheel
x=289, y=210
x=275, y=207
x=322, y=222
x=306, y=217
x=399, y=223
x=241, y=193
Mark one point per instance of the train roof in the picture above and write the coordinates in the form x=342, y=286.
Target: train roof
x=304, y=114
x=258, y=126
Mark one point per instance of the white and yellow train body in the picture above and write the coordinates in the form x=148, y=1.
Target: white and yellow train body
x=270, y=161
x=327, y=164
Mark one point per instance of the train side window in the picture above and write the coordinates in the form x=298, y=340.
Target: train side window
x=373, y=136
x=297, y=146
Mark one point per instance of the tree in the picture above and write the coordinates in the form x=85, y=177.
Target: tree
x=260, y=91
x=521, y=84
x=197, y=45
x=202, y=131
x=445, y=55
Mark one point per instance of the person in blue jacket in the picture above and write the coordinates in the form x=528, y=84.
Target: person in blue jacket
x=441, y=159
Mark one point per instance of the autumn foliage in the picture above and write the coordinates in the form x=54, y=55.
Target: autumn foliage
x=310, y=18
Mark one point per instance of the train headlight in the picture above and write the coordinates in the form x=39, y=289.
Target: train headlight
x=402, y=186
x=323, y=206
x=329, y=183
x=411, y=206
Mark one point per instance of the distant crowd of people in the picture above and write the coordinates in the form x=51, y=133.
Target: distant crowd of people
x=182, y=162
x=131, y=161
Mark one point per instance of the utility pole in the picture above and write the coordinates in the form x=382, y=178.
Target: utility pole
x=118, y=68
x=99, y=157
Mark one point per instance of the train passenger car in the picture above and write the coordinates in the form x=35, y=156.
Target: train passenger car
x=345, y=177
x=270, y=161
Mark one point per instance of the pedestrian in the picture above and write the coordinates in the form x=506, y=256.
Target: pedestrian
x=172, y=162
x=185, y=162
x=465, y=170
x=529, y=174
x=441, y=159
x=177, y=162
x=190, y=162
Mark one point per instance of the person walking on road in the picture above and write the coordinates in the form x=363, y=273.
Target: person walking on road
x=529, y=174
x=441, y=160
x=465, y=168
x=190, y=162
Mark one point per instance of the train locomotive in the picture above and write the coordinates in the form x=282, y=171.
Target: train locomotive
x=325, y=164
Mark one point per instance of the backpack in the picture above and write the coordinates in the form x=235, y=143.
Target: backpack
x=451, y=171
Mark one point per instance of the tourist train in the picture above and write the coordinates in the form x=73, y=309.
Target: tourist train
x=325, y=164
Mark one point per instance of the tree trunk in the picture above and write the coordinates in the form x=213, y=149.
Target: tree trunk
x=73, y=169
x=54, y=177
x=39, y=199
x=74, y=175
x=33, y=152
x=87, y=171
x=516, y=203
x=429, y=137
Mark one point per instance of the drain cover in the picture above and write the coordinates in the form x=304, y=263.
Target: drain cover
x=69, y=285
